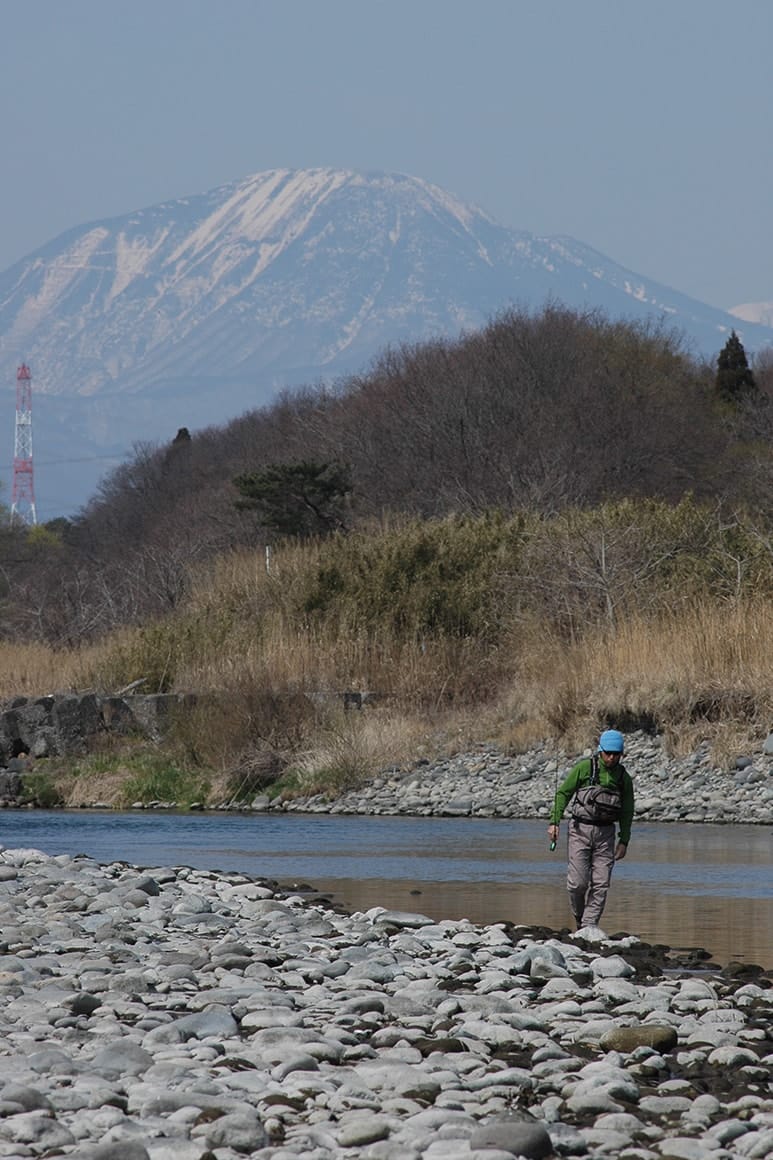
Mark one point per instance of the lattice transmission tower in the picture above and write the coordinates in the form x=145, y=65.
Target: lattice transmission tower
x=23, y=493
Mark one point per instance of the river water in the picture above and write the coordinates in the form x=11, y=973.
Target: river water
x=681, y=885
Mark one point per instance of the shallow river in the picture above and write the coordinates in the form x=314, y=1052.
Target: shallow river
x=682, y=885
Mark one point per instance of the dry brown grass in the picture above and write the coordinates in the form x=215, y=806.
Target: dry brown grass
x=33, y=670
x=105, y=788
x=351, y=749
x=706, y=674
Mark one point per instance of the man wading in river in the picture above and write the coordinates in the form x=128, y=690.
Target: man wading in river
x=601, y=792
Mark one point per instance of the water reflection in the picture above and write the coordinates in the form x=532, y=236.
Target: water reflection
x=731, y=928
x=686, y=885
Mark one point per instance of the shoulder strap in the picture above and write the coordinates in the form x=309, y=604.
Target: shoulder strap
x=616, y=772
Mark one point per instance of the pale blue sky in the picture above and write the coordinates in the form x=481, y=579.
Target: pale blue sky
x=640, y=127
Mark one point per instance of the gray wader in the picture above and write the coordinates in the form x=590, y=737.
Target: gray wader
x=591, y=857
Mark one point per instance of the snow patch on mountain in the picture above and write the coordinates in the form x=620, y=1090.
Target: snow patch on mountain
x=133, y=257
x=759, y=312
x=51, y=283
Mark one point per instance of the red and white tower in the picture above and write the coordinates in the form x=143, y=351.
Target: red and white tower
x=23, y=494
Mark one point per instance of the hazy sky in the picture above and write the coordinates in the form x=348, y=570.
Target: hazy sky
x=640, y=127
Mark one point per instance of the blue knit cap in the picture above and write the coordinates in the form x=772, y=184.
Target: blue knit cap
x=611, y=741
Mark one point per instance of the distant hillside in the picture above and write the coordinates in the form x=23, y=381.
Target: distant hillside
x=193, y=311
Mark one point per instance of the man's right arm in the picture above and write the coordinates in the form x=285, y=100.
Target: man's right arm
x=564, y=794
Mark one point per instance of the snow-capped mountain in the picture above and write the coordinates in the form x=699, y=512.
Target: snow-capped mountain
x=761, y=312
x=192, y=311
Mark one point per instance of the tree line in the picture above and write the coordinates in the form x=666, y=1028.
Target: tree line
x=539, y=411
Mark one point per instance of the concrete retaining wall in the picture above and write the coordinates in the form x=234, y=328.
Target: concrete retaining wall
x=63, y=725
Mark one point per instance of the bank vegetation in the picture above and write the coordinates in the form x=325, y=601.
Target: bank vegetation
x=549, y=526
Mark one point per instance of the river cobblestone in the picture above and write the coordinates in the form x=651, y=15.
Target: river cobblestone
x=170, y=1013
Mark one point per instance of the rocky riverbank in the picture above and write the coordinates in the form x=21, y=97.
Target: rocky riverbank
x=489, y=783
x=180, y=1014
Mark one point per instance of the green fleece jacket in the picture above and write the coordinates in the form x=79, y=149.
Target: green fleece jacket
x=580, y=775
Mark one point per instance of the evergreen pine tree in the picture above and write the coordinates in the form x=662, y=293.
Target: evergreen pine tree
x=735, y=378
x=297, y=499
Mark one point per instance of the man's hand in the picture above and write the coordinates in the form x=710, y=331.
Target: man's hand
x=553, y=833
x=620, y=851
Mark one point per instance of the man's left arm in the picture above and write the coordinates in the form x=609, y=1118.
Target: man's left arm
x=626, y=817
